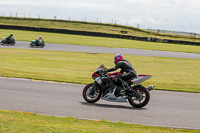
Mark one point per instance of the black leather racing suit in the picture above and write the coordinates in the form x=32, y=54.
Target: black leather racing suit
x=125, y=67
x=8, y=39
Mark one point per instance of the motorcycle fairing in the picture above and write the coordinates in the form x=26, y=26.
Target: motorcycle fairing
x=98, y=80
x=101, y=67
x=140, y=79
x=112, y=98
x=33, y=41
x=113, y=74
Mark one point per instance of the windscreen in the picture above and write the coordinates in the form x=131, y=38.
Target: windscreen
x=101, y=67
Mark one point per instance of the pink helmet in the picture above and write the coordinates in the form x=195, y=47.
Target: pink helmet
x=118, y=57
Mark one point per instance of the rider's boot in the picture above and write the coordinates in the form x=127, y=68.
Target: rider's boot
x=125, y=89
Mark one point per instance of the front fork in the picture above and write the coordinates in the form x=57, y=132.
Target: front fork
x=94, y=87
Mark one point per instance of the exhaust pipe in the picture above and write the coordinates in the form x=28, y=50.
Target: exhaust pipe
x=151, y=87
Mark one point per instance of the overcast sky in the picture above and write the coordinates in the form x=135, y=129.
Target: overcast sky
x=175, y=15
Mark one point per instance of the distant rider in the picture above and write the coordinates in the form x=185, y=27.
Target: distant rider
x=39, y=40
x=9, y=38
x=126, y=67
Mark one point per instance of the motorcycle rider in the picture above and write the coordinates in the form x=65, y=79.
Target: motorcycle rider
x=9, y=38
x=39, y=40
x=126, y=67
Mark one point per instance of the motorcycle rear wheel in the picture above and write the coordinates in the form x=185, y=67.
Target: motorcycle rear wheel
x=32, y=45
x=89, y=95
x=143, y=98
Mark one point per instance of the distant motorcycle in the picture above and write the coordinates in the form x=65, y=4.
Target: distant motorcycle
x=138, y=96
x=35, y=44
x=10, y=41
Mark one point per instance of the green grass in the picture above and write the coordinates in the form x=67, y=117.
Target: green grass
x=73, y=67
x=91, y=26
x=98, y=41
x=21, y=122
x=168, y=73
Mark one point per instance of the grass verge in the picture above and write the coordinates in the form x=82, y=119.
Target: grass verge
x=73, y=67
x=92, y=27
x=98, y=41
x=16, y=121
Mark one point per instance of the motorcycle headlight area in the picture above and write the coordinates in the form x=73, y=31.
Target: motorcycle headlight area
x=98, y=80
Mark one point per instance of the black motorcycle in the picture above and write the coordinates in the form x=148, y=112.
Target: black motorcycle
x=138, y=96
x=8, y=41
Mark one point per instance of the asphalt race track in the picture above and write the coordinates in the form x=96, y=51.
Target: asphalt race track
x=92, y=49
x=166, y=108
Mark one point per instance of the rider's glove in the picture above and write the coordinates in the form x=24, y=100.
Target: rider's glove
x=105, y=70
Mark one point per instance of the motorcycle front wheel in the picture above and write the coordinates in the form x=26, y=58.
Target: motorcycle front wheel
x=143, y=98
x=2, y=42
x=13, y=43
x=90, y=95
x=42, y=45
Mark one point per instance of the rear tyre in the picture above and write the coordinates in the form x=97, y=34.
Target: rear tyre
x=32, y=45
x=91, y=96
x=143, y=98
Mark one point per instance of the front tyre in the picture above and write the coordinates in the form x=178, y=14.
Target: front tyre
x=42, y=45
x=13, y=43
x=142, y=100
x=2, y=42
x=91, y=96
